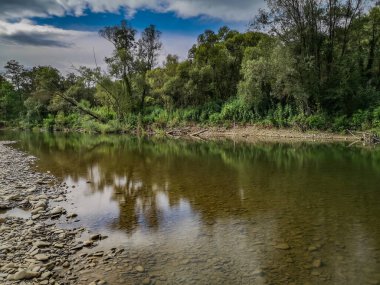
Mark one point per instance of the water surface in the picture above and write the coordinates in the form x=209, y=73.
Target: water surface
x=218, y=212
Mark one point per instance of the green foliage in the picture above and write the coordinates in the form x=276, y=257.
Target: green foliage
x=341, y=124
x=305, y=77
x=317, y=122
x=361, y=120
x=376, y=117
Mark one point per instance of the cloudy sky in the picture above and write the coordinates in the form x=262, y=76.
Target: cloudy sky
x=63, y=33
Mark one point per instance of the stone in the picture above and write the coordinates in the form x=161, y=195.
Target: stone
x=66, y=264
x=72, y=215
x=98, y=253
x=41, y=257
x=312, y=248
x=139, y=268
x=24, y=275
x=56, y=211
x=41, y=244
x=283, y=246
x=88, y=243
x=317, y=263
x=41, y=204
x=146, y=281
x=95, y=237
x=35, y=217
x=45, y=275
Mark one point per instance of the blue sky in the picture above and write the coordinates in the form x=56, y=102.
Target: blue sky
x=165, y=22
x=63, y=33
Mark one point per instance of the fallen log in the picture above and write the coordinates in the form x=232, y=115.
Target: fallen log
x=196, y=134
x=82, y=108
x=366, y=137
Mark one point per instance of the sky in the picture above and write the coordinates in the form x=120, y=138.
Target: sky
x=64, y=33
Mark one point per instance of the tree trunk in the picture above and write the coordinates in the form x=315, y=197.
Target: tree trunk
x=83, y=109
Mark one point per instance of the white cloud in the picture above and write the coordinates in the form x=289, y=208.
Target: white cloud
x=82, y=52
x=227, y=10
x=26, y=32
x=33, y=44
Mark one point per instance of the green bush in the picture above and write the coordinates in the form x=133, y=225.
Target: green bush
x=376, y=117
x=361, y=120
x=299, y=121
x=317, y=122
x=340, y=124
x=235, y=110
x=49, y=122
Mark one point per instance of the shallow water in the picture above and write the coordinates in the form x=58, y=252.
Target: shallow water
x=220, y=212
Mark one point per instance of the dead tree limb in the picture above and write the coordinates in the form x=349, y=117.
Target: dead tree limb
x=82, y=108
x=196, y=134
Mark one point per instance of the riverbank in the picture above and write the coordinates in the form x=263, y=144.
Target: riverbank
x=34, y=249
x=257, y=133
x=246, y=133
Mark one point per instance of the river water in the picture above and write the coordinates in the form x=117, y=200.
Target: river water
x=224, y=212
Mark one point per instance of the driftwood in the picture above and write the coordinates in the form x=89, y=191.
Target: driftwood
x=177, y=132
x=365, y=137
x=196, y=134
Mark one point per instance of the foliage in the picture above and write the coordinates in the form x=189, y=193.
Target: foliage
x=305, y=66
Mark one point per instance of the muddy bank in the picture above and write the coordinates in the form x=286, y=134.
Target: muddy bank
x=33, y=248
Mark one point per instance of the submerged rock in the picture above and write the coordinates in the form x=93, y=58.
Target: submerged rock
x=283, y=246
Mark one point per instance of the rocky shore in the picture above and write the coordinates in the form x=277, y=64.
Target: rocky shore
x=34, y=249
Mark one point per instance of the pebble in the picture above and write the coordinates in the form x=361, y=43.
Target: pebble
x=41, y=257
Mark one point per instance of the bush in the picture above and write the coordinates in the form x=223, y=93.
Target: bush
x=317, y=122
x=299, y=121
x=49, y=122
x=376, y=117
x=361, y=120
x=235, y=110
x=340, y=124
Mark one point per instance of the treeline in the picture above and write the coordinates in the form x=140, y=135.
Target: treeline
x=304, y=64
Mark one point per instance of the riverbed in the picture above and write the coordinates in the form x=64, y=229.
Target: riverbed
x=217, y=212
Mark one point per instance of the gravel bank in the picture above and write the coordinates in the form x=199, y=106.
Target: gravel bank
x=33, y=249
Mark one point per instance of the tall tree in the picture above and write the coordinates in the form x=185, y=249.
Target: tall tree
x=149, y=46
x=122, y=62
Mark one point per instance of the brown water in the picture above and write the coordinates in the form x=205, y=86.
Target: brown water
x=219, y=212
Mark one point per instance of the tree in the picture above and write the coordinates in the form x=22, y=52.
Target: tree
x=148, y=49
x=122, y=63
x=14, y=71
x=130, y=62
x=319, y=37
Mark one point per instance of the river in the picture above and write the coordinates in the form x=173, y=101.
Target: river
x=219, y=212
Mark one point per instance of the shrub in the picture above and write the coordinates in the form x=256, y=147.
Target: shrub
x=48, y=123
x=376, y=117
x=340, y=124
x=317, y=122
x=361, y=120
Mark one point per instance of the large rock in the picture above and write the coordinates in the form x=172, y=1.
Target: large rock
x=41, y=257
x=56, y=211
x=24, y=275
x=41, y=244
